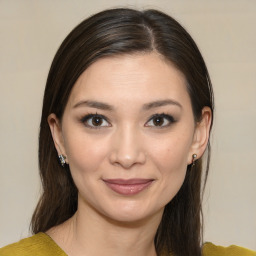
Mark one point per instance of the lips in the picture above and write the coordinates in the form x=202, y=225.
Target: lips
x=128, y=187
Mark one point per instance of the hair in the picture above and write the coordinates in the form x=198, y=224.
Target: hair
x=119, y=32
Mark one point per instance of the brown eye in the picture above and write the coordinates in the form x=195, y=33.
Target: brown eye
x=95, y=121
x=158, y=121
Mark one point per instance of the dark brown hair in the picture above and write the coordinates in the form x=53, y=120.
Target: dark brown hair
x=119, y=32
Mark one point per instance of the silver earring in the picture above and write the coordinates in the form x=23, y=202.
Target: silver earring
x=194, y=156
x=62, y=160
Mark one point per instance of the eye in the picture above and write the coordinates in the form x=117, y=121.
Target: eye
x=95, y=121
x=160, y=120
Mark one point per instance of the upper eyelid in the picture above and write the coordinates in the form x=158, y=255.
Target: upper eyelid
x=170, y=119
x=162, y=115
x=87, y=117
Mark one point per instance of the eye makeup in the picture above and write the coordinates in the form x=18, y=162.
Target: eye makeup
x=95, y=121
x=160, y=121
x=98, y=121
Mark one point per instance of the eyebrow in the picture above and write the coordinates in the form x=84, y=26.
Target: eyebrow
x=147, y=106
x=160, y=103
x=94, y=104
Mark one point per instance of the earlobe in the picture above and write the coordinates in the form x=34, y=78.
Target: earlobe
x=201, y=134
x=56, y=131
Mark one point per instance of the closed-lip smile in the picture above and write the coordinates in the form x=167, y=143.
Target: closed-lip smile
x=128, y=186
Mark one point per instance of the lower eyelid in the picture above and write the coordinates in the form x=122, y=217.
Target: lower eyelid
x=85, y=119
x=169, y=118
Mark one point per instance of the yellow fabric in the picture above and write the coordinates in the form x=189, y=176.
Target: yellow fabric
x=42, y=245
x=210, y=249
x=37, y=245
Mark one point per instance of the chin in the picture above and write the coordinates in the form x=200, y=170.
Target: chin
x=132, y=212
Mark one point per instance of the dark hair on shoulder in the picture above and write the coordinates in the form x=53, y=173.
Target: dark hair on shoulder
x=119, y=32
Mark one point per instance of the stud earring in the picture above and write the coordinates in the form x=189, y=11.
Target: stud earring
x=62, y=160
x=194, y=156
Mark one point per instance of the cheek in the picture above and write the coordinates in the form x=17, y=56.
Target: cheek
x=172, y=167
x=170, y=158
x=171, y=153
x=85, y=154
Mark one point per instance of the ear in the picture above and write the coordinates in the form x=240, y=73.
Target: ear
x=56, y=131
x=201, y=135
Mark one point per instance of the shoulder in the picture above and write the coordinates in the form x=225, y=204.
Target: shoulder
x=210, y=249
x=37, y=245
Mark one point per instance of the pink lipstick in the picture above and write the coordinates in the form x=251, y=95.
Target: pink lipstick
x=128, y=187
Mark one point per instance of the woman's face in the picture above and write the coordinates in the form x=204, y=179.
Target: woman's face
x=128, y=133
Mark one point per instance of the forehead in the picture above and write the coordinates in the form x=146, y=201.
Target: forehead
x=140, y=77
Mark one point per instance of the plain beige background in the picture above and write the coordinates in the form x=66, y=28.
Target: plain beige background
x=31, y=31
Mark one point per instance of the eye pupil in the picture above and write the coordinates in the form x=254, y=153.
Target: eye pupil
x=96, y=121
x=158, y=121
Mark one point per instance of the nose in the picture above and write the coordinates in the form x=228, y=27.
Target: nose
x=127, y=148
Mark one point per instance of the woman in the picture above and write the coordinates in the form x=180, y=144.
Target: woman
x=126, y=118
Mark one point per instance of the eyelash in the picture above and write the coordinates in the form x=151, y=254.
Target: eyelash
x=86, y=118
x=170, y=119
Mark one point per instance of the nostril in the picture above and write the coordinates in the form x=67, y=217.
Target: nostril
x=127, y=160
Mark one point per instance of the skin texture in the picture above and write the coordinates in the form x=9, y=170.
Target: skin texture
x=129, y=142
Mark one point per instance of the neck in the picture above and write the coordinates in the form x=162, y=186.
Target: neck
x=87, y=233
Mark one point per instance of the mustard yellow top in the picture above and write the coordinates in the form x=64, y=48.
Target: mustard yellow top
x=43, y=245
